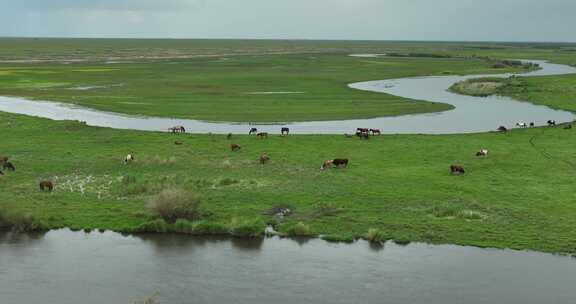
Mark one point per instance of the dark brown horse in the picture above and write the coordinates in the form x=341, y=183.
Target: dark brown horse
x=46, y=186
x=262, y=135
x=457, y=169
x=235, y=147
x=8, y=166
x=177, y=129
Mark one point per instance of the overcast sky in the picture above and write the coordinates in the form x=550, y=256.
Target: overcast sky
x=471, y=20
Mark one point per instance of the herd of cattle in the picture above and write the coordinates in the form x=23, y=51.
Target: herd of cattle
x=362, y=133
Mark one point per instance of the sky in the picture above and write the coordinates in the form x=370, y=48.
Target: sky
x=446, y=20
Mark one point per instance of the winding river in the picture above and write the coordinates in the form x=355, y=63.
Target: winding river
x=67, y=267
x=471, y=114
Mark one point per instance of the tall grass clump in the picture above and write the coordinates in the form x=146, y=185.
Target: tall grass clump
x=376, y=236
x=174, y=204
x=247, y=228
x=299, y=229
x=11, y=220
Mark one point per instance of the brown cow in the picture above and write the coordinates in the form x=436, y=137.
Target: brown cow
x=235, y=147
x=46, y=186
x=337, y=162
x=264, y=158
x=457, y=169
x=375, y=131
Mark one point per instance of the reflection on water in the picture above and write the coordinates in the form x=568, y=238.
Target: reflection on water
x=472, y=114
x=75, y=267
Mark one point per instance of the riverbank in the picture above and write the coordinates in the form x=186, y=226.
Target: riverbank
x=398, y=187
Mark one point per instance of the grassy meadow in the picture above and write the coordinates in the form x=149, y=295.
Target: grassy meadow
x=397, y=186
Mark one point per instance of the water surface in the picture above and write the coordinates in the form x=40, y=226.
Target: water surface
x=67, y=267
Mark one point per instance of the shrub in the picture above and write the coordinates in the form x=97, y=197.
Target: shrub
x=376, y=236
x=157, y=226
x=173, y=204
x=247, y=228
x=17, y=221
x=300, y=229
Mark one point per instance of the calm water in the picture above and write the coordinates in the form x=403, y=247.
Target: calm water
x=472, y=114
x=67, y=267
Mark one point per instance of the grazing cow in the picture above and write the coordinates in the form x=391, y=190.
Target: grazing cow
x=285, y=130
x=46, y=186
x=362, y=130
x=521, y=125
x=129, y=158
x=8, y=166
x=502, y=129
x=457, y=170
x=551, y=123
x=178, y=143
x=363, y=135
x=375, y=131
x=177, y=129
x=264, y=158
x=253, y=131
x=532, y=124
x=229, y=136
x=235, y=147
x=338, y=162
x=568, y=127
x=482, y=152
x=262, y=135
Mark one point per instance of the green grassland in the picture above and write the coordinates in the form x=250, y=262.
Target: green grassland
x=521, y=196
x=219, y=87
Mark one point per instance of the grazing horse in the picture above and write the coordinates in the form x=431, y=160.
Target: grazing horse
x=262, y=135
x=375, y=131
x=264, y=158
x=177, y=129
x=235, y=147
x=129, y=158
x=482, y=152
x=532, y=124
x=521, y=125
x=502, y=129
x=8, y=166
x=285, y=130
x=457, y=170
x=46, y=186
x=551, y=123
x=253, y=131
x=229, y=136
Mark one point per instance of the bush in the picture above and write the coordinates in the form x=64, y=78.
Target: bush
x=173, y=204
x=17, y=221
x=376, y=236
x=299, y=229
x=157, y=226
x=247, y=228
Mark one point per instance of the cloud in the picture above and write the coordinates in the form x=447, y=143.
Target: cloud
x=85, y=5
